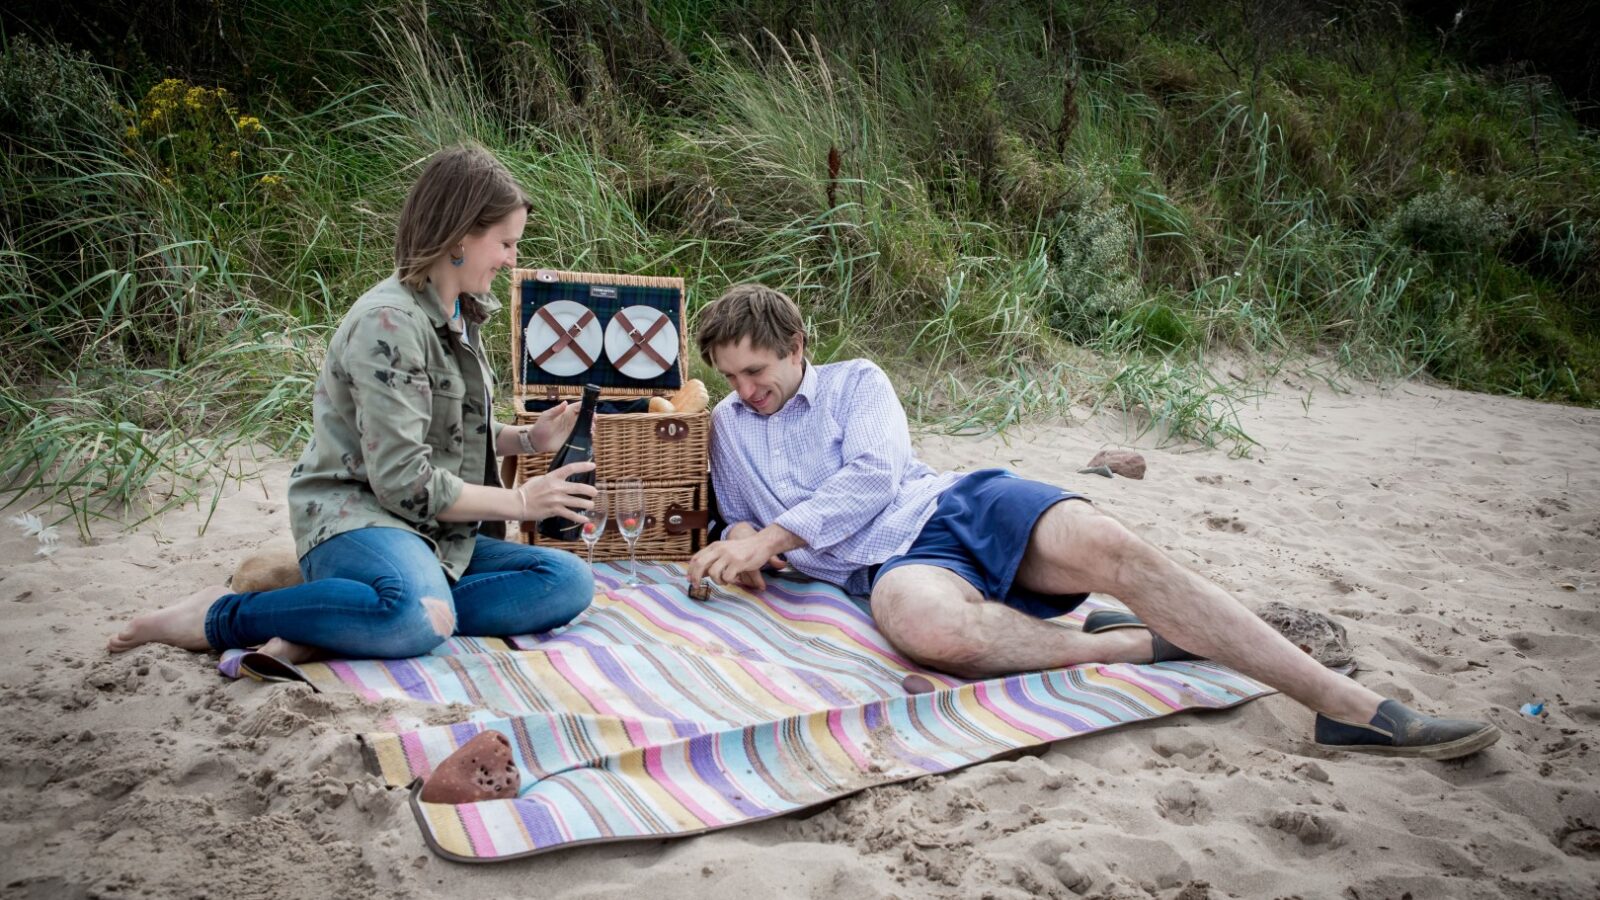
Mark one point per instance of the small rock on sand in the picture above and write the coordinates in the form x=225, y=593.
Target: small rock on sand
x=1126, y=463
x=481, y=769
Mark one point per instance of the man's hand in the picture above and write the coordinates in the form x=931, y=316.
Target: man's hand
x=741, y=530
x=736, y=559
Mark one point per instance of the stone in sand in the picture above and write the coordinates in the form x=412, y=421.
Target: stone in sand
x=1313, y=632
x=1126, y=463
x=481, y=769
x=266, y=571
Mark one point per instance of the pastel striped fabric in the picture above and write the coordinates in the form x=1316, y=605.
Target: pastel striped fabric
x=655, y=715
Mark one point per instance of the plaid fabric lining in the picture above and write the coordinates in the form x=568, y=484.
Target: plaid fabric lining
x=537, y=293
x=604, y=407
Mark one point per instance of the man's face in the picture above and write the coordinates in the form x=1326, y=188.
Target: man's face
x=764, y=380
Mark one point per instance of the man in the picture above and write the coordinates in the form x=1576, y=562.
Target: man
x=813, y=465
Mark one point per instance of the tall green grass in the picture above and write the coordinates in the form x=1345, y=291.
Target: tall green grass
x=1033, y=208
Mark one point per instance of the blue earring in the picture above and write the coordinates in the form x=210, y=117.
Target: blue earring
x=457, y=260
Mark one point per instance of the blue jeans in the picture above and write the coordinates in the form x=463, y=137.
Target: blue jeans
x=364, y=591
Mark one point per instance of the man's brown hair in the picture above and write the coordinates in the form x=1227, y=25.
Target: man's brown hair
x=463, y=190
x=767, y=317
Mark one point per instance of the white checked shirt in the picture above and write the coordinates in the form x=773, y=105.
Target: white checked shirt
x=834, y=466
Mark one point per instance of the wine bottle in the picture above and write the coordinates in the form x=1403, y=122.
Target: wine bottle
x=578, y=448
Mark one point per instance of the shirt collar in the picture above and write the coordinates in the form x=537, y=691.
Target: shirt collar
x=428, y=299
x=808, y=384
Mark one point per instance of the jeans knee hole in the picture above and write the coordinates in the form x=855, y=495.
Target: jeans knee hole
x=441, y=616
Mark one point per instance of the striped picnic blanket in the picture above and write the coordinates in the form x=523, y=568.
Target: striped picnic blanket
x=656, y=715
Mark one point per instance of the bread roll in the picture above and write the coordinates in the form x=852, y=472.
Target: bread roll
x=691, y=398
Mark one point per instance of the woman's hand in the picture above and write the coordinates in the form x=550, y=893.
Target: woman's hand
x=553, y=495
x=550, y=430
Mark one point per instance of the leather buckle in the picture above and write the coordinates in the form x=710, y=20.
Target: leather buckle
x=683, y=521
x=671, y=431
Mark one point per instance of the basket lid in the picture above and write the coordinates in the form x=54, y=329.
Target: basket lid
x=622, y=332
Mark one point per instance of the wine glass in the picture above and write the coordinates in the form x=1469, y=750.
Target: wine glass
x=594, y=522
x=627, y=502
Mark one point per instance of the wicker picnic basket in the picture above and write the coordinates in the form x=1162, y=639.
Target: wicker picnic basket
x=627, y=334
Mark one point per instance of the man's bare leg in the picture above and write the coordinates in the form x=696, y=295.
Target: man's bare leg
x=939, y=619
x=183, y=624
x=1075, y=547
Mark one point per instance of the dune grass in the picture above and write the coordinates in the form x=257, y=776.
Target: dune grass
x=1019, y=209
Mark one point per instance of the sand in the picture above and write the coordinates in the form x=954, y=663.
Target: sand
x=1456, y=537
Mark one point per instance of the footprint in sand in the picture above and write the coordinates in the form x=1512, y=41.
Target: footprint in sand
x=1545, y=507
x=1580, y=841
x=1310, y=828
x=286, y=712
x=1226, y=523
x=1551, y=646
x=1182, y=804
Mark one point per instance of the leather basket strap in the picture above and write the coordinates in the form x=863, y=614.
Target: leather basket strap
x=641, y=342
x=566, y=337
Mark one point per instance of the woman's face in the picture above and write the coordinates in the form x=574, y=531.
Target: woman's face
x=491, y=250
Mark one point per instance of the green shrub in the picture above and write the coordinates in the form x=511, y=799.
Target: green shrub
x=1160, y=326
x=46, y=89
x=1448, y=220
x=200, y=140
x=1093, y=265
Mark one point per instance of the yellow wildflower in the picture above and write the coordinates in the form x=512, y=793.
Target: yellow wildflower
x=249, y=123
x=272, y=180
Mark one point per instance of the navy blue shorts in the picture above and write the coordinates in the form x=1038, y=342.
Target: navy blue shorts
x=980, y=531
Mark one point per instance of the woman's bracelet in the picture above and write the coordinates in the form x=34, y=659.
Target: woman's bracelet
x=522, y=438
x=523, y=498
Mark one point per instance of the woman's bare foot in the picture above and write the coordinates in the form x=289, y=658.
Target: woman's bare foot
x=182, y=624
x=290, y=652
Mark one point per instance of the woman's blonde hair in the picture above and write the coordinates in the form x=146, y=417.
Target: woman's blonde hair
x=461, y=191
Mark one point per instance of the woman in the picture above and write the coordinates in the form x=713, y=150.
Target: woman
x=386, y=499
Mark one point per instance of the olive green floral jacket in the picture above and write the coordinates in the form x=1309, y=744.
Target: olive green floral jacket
x=402, y=417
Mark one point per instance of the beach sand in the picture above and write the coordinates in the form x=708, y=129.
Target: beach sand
x=1455, y=535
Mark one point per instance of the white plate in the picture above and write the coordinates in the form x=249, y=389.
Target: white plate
x=540, y=336
x=640, y=366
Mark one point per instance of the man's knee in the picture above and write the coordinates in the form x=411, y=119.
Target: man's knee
x=937, y=633
x=1076, y=543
